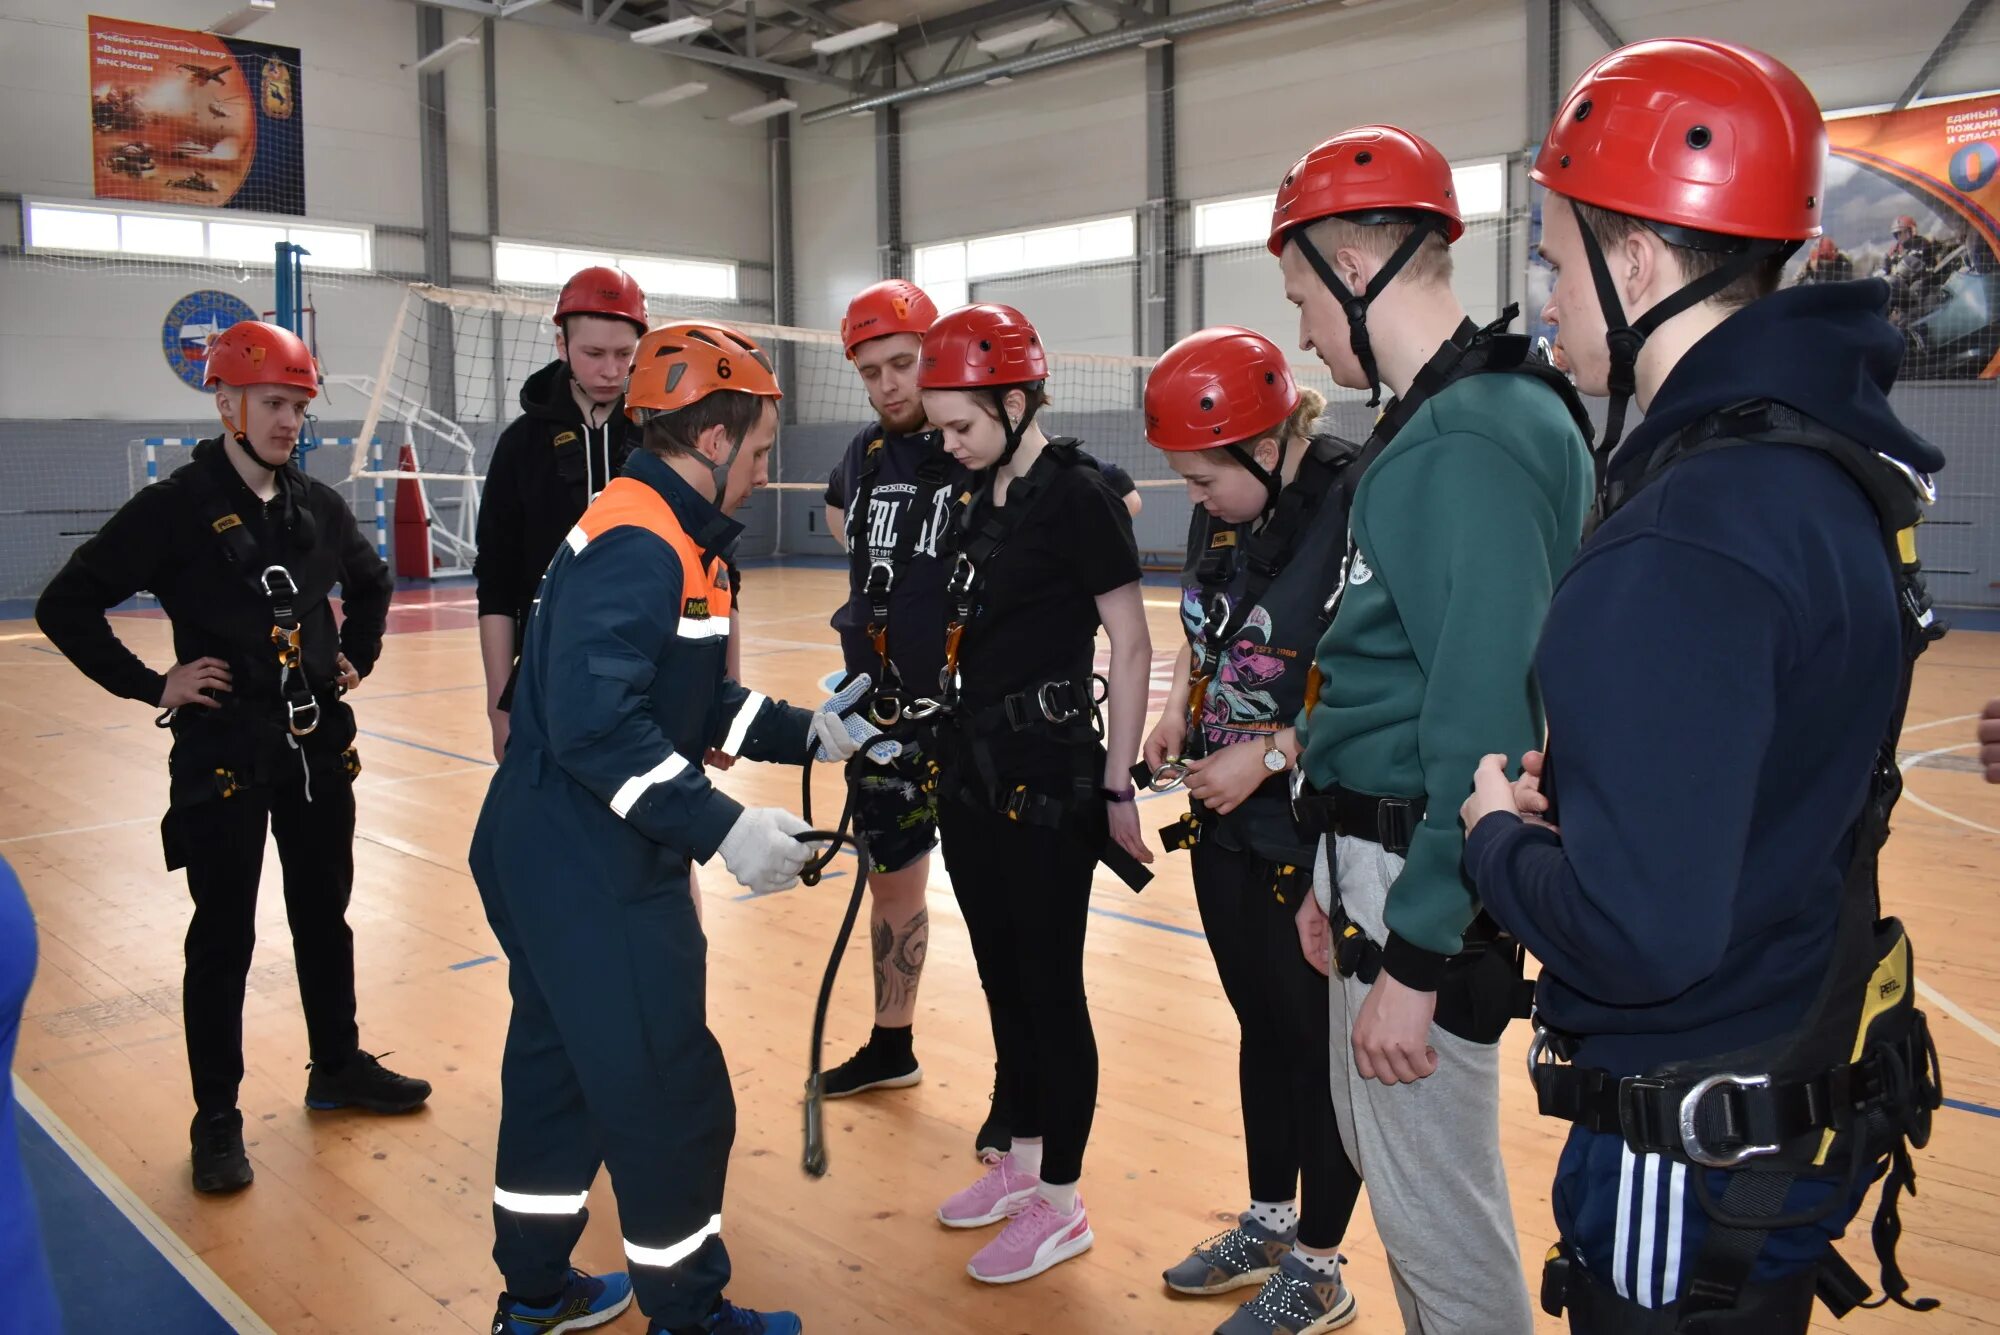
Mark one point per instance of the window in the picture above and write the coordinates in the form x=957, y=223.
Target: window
x=190, y=236
x=947, y=270
x=526, y=263
x=1481, y=188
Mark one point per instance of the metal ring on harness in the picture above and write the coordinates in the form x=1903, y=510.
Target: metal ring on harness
x=1689, y=1122
x=1053, y=710
x=885, y=710
x=1171, y=774
x=293, y=713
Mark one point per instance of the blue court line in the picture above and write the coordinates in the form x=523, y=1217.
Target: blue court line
x=1980, y=1108
x=434, y=750
x=87, y=1238
x=471, y=964
x=435, y=690
x=1149, y=922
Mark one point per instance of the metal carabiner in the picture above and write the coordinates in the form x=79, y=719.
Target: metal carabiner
x=1053, y=712
x=919, y=710
x=309, y=711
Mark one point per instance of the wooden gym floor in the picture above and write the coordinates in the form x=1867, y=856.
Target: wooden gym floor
x=362, y=1224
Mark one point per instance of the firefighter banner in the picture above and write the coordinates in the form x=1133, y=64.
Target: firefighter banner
x=1913, y=197
x=191, y=118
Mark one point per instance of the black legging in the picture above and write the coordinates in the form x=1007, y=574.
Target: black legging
x=1289, y=1131
x=1025, y=892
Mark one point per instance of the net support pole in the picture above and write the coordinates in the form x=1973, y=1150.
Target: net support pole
x=783, y=292
x=386, y=368
x=381, y=505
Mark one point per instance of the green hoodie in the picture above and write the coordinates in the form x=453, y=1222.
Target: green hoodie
x=1463, y=525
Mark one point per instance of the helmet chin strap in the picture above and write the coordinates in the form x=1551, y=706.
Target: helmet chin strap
x=1356, y=306
x=1272, y=478
x=1625, y=338
x=240, y=431
x=1016, y=431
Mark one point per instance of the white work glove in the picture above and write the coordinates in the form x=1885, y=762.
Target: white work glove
x=840, y=737
x=761, y=852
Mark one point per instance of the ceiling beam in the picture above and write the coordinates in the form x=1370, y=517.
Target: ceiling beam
x=1942, y=52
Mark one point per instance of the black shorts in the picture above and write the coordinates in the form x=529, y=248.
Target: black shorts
x=895, y=805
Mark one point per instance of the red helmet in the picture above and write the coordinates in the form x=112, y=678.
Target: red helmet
x=600, y=291
x=980, y=347
x=1371, y=170
x=1826, y=249
x=1218, y=387
x=892, y=307
x=1694, y=133
x=251, y=352
x=1904, y=223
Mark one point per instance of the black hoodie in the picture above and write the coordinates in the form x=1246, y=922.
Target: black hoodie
x=547, y=467
x=1718, y=668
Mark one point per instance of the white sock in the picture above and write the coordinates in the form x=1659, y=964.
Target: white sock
x=1028, y=1156
x=1063, y=1197
x=1321, y=1265
x=1278, y=1216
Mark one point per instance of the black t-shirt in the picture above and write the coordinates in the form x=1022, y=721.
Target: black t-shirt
x=1035, y=613
x=1121, y=481
x=1259, y=679
x=917, y=604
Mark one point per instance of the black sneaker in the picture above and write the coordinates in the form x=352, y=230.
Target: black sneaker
x=364, y=1082
x=729, y=1319
x=220, y=1165
x=879, y=1065
x=996, y=1136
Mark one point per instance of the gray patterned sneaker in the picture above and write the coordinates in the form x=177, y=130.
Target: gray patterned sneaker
x=1245, y=1255
x=1297, y=1300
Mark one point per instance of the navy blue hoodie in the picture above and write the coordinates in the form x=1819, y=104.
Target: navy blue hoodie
x=1718, y=668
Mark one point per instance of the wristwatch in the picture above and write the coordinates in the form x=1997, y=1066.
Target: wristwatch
x=1274, y=756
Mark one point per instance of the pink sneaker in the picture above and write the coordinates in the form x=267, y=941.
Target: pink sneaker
x=1037, y=1239
x=1002, y=1193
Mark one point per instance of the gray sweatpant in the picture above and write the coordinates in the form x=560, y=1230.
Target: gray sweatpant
x=1428, y=1152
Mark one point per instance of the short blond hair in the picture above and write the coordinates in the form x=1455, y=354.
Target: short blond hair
x=1430, y=265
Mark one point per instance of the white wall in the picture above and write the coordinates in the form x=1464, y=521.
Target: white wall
x=1053, y=147
x=833, y=211
x=1252, y=100
x=574, y=167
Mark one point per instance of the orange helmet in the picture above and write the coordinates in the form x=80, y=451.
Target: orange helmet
x=1905, y=223
x=1375, y=169
x=251, y=352
x=892, y=307
x=680, y=364
x=1826, y=250
x=1218, y=387
x=611, y=293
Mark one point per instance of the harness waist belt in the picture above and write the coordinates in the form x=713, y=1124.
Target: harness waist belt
x=1388, y=821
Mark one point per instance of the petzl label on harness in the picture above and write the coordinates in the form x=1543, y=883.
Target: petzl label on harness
x=1223, y=538
x=227, y=522
x=562, y=440
x=695, y=607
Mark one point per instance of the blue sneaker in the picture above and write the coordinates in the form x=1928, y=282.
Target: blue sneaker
x=586, y=1301
x=729, y=1319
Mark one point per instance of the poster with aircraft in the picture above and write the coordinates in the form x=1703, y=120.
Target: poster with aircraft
x=191, y=118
